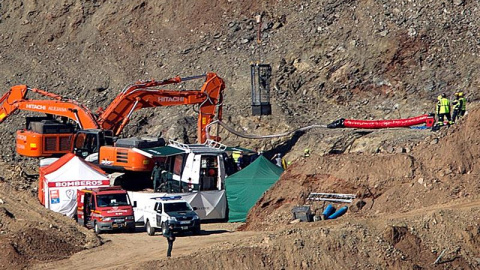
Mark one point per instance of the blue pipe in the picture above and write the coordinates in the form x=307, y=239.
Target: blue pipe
x=339, y=213
x=328, y=211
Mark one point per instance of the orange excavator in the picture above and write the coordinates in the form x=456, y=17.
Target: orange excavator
x=94, y=138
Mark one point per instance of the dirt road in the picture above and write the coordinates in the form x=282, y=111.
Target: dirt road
x=127, y=250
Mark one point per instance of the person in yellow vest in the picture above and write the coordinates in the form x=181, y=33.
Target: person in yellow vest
x=459, y=106
x=443, y=109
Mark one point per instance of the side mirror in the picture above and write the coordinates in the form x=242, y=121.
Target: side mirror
x=134, y=203
x=195, y=208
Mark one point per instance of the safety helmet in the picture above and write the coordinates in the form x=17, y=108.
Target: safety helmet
x=439, y=97
x=460, y=94
x=306, y=150
x=456, y=94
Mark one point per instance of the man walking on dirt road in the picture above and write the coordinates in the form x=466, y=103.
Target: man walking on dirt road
x=170, y=239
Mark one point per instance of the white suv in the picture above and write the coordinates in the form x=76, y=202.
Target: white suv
x=166, y=210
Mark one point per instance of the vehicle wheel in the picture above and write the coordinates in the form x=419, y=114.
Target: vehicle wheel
x=150, y=229
x=97, y=228
x=196, y=230
x=164, y=227
x=131, y=229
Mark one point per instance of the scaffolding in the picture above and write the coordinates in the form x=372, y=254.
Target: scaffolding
x=331, y=197
x=261, y=75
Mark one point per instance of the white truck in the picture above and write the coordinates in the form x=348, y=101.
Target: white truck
x=192, y=167
x=196, y=172
x=162, y=211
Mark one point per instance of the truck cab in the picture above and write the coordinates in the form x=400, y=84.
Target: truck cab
x=162, y=211
x=105, y=209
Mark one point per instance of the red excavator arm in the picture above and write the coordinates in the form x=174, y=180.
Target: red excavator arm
x=48, y=139
x=44, y=139
x=15, y=99
x=142, y=95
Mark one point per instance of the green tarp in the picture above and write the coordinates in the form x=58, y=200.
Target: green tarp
x=162, y=151
x=245, y=187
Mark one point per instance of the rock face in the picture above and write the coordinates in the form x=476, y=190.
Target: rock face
x=330, y=59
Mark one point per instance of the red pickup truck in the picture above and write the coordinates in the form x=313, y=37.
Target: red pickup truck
x=105, y=209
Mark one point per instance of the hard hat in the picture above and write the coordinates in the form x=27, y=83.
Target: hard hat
x=456, y=93
x=460, y=94
x=279, y=155
x=439, y=97
x=306, y=150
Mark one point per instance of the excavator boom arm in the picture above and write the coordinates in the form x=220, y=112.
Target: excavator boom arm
x=140, y=95
x=16, y=99
x=60, y=108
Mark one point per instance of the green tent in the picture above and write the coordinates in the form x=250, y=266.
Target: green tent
x=245, y=187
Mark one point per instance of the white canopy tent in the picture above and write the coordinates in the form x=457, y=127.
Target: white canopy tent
x=59, y=182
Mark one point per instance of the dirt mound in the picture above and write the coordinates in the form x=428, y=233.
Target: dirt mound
x=30, y=233
x=359, y=243
x=437, y=182
x=440, y=169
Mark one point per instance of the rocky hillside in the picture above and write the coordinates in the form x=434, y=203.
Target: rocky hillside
x=330, y=59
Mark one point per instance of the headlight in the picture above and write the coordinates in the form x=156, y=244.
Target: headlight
x=129, y=218
x=195, y=217
x=174, y=219
x=107, y=219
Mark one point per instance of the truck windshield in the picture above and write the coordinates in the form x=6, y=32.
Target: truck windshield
x=112, y=200
x=177, y=207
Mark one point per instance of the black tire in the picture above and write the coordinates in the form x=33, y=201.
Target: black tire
x=150, y=229
x=196, y=230
x=131, y=229
x=97, y=228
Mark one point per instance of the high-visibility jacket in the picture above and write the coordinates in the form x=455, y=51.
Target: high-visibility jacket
x=443, y=106
x=463, y=102
x=460, y=104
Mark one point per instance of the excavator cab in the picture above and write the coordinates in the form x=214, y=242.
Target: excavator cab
x=100, y=147
x=87, y=143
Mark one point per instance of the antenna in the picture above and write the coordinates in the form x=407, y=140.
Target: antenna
x=258, y=19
